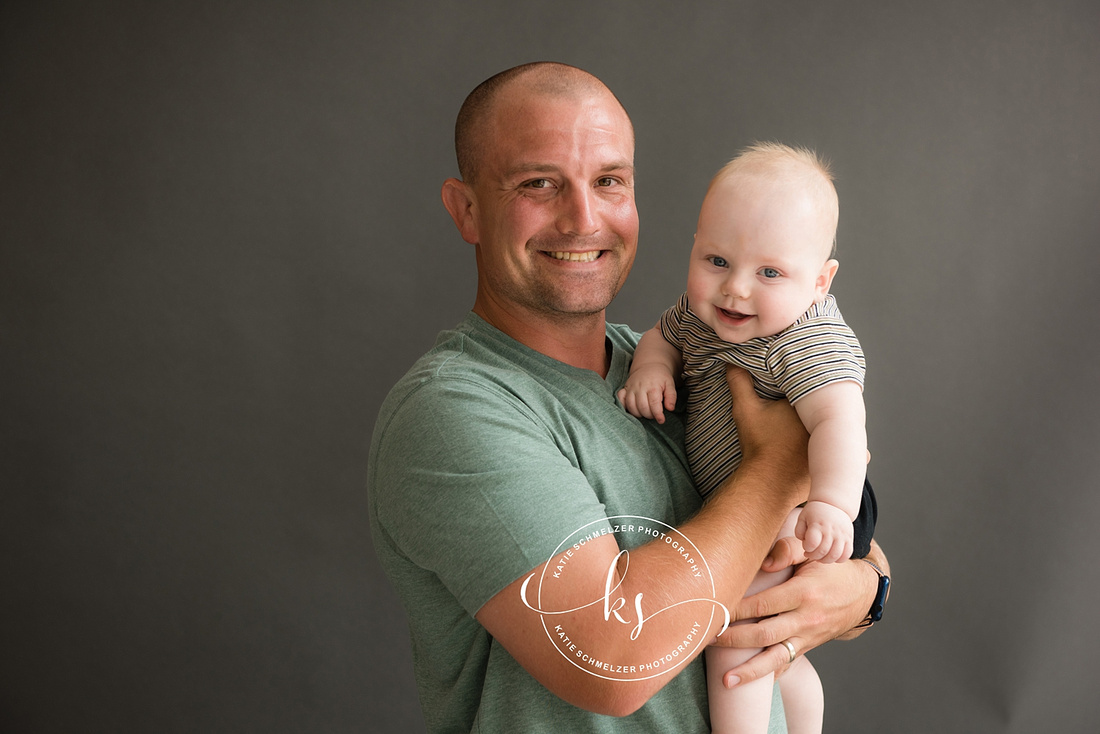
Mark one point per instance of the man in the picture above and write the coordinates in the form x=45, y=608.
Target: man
x=506, y=438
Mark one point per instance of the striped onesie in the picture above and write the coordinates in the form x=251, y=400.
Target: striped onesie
x=816, y=350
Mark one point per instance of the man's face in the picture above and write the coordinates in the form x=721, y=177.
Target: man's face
x=556, y=227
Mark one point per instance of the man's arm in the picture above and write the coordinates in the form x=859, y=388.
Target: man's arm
x=733, y=532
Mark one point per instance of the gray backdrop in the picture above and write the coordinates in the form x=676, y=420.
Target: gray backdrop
x=222, y=242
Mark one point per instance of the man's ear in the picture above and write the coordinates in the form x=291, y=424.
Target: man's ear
x=825, y=278
x=458, y=198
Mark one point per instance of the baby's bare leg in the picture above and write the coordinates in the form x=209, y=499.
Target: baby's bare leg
x=746, y=708
x=803, y=698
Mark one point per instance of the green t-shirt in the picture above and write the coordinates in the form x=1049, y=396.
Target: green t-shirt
x=487, y=455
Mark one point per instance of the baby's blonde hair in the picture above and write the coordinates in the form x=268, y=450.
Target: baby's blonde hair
x=770, y=156
x=773, y=161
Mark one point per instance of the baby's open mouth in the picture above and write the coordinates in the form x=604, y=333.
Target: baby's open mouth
x=735, y=315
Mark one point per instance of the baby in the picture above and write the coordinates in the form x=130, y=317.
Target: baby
x=758, y=297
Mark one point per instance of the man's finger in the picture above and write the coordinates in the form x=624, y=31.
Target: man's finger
x=740, y=383
x=773, y=659
x=786, y=552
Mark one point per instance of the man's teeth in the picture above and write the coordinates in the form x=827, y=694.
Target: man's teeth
x=575, y=257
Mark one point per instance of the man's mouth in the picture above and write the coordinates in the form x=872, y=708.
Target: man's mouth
x=576, y=257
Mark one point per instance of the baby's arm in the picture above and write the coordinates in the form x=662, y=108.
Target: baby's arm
x=835, y=417
x=651, y=387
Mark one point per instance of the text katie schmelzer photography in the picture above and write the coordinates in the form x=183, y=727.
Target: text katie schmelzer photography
x=620, y=616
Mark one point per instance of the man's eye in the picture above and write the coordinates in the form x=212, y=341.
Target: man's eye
x=606, y=181
x=539, y=183
x=769, y=272
x=718, y=262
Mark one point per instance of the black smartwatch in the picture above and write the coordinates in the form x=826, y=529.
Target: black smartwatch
x=883, y=593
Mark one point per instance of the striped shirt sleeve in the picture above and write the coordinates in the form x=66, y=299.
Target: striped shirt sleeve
x=813, y=353
x=672, y=321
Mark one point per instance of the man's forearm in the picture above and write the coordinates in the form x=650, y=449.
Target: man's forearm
x=732, y=533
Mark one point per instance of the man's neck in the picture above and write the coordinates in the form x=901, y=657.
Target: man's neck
x=577, y=340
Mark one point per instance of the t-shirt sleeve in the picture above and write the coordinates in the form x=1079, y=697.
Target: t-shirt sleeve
x=475, y=487
x=672, y=321
x=815, y=353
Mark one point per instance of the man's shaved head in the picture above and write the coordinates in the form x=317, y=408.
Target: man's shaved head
x=541, y=78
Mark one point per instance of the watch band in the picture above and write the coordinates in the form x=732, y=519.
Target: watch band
x=875, y=613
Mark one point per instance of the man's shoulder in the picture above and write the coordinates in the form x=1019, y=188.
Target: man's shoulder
x=458, y=360
x=451, y=396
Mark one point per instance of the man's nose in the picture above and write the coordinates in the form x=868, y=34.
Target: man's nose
x=578, y=215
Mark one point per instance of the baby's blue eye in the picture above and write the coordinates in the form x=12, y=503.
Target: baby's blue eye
x=718, y=262
x=769, y=272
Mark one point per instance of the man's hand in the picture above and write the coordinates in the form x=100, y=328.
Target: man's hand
x=821, y=602
x=769, y=430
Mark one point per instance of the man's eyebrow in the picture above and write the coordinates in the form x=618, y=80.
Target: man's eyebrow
x=522, y=168
x=627, y=166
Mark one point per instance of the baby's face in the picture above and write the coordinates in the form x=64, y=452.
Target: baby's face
x=761, y=256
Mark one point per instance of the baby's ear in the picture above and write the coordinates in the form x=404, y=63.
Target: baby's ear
x=458, y=198
x=825, y=278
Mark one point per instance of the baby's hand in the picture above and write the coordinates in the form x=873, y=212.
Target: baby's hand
x=825, y=531
x=648, y=392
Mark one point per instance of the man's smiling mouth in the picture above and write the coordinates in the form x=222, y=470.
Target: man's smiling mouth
x=576, y=257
